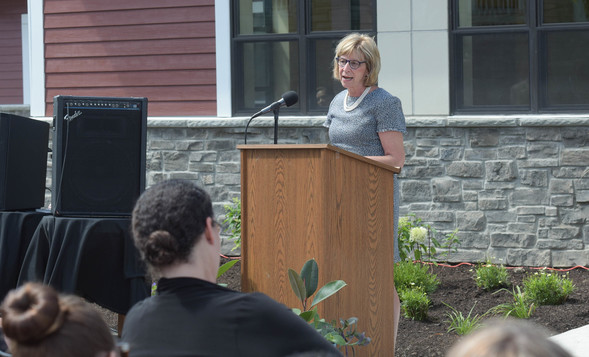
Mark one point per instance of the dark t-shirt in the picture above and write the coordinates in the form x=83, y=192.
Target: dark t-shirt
x=192, y=317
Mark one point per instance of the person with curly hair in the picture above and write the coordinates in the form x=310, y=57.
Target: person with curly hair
x=190, y=314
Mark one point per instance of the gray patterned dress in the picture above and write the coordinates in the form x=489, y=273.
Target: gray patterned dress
x=357, y=130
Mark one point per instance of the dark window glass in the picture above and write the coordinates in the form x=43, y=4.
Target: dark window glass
x=330, y=15
x=567, y=72
x=268, y=70
x=263, y=17
x=495, y=70
x=563, y=11
x=491, y=13
x=326, y=87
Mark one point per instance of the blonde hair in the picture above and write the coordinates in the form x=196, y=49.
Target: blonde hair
x=508, y=338
x=364, y=45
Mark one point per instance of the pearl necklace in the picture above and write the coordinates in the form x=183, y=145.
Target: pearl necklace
x=357, y=102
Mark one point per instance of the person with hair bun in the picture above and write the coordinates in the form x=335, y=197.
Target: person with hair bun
x=39, y=322
x=190, y=314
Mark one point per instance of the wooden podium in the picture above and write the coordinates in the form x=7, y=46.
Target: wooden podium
x=318, y=201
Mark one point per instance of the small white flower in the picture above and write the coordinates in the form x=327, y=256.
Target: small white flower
x=418, y=235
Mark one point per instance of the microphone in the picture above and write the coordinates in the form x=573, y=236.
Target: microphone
x=289, y=98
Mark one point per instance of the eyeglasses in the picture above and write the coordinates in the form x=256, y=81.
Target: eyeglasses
x=353, y=63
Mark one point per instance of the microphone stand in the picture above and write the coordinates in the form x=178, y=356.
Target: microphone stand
x=276, y=125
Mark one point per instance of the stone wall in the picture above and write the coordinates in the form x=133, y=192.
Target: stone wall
x=517, y=189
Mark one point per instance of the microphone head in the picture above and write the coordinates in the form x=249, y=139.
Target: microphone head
x=290, y=98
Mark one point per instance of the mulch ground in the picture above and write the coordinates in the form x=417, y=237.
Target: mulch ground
x=458, y=289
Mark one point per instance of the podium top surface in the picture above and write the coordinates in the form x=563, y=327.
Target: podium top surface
x=330, y=147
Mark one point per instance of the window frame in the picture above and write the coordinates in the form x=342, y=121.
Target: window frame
x=537, y=62
x=306, y=61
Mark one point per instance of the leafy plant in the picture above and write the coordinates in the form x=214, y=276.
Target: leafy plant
x=414, y=303
x=419, y=239
x=304, y=285
x=521, y=307
x=233, y=220
x=490, y=276
x=409, y=275
x=226, y=266
x=548, y=288
x=461, y=324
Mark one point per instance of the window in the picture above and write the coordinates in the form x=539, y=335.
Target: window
x=519, y=56
x=282, y=45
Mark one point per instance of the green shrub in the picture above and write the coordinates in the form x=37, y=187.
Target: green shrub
x=491, y=277
x=409, y=275
x=418, y=240
x=415, y=304
x=521, y=307
x=548, y=288
x=461, y=324
x=233, y=220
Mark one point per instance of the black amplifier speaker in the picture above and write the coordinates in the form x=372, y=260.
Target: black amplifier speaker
x=99, y=146
x=23, y=162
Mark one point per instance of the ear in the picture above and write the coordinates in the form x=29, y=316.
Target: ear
x=210, y=230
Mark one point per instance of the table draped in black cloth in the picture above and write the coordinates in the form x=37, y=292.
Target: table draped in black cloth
x=91, y=257
x=16, y=231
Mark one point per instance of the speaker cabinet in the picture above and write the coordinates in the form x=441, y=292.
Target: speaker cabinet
x=99, y=146
x=23, y=162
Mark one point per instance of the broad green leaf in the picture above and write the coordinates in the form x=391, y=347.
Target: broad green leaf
x=223, y=268
x=297, y=284
x=307, y=315
x=335, y=338
x=310, y=275
x=327, y=290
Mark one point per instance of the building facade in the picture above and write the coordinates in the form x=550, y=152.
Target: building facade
x=493, y=93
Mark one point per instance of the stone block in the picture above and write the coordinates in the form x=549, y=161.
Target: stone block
x=548, y=150
x=470, y=195
x=582, y=196
x=480, y=154
x=228, y=179
x=446, y=190
x=530, y=210
x=484, y=138
x=435, y=216
x=498, y=203
x=467, y=255
x=582, y=184
x=421, y=171
x=520, y=227
x=465, y=169
x=534, y=177
x=451, y=154
x=551, y=211
x=500, y=171
x=575, y=215
x=175, y=161
x=415, y=191
x=511, y=152
x=561, y=186
x=202, y=166
x=529, y=258
x=513, y=240
x=569, y=258
x=191, y=176
x=575, y=157
x=564, y=232
x=538, y=163
x=473, y=240
x=575, y=136
x=562, y=200
x=542, y=134
x=529, y=196
x=575, y=244
x=161, y=145
x=228, y=167
x=203, y=156
x=526, y=219
x=548, y=222
x=470, y=221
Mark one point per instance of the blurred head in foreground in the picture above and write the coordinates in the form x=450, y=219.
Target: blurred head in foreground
x=507, y=338
x=37, y=321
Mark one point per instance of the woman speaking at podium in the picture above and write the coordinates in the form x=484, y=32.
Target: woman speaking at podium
x=365, y=119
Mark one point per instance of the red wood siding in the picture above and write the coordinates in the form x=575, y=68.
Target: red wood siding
x=162, y=50
x=11, y=71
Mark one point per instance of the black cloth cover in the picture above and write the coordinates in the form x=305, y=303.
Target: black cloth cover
x=91, y=257
x=16, y=231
